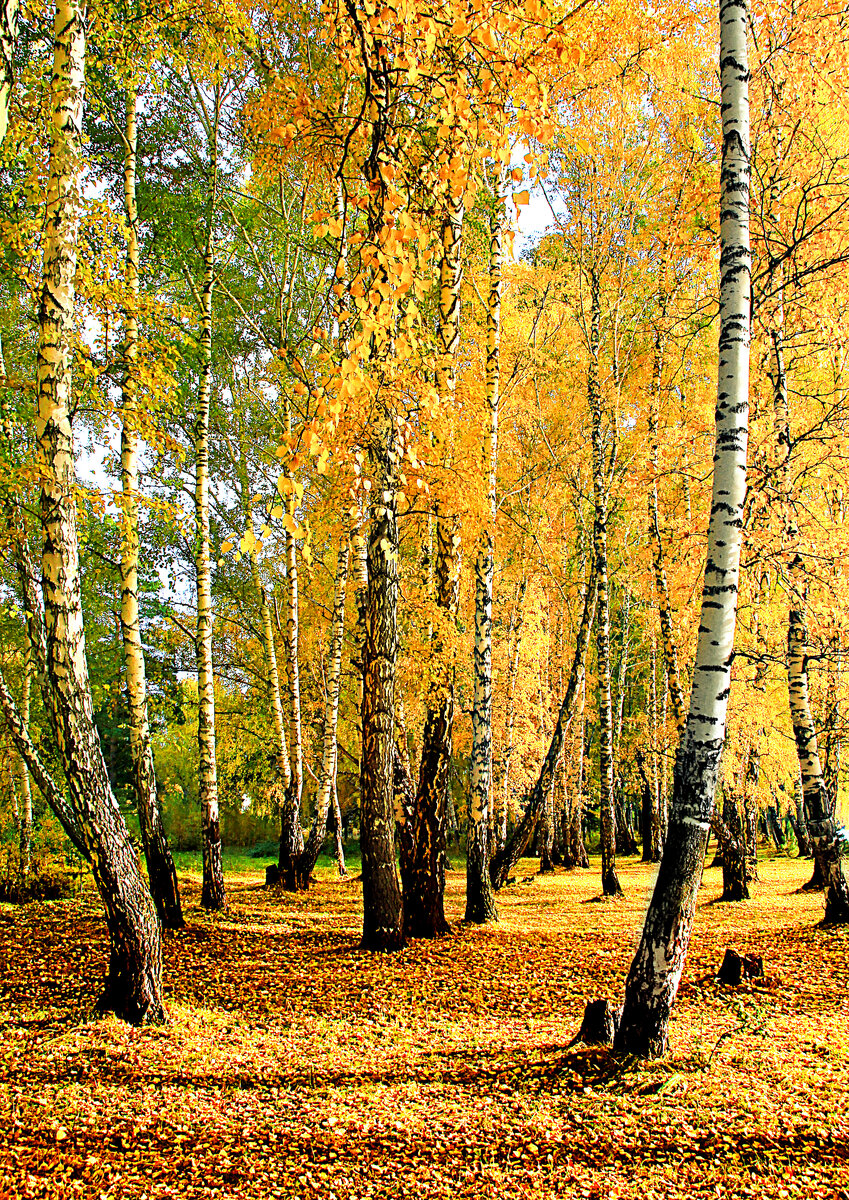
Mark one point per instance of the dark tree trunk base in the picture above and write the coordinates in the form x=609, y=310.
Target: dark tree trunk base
x=132, y=995
x=480, y=908
x=817, y=881
x=733, y=891
x=738, y=967
x=611, y=887
x=600, y=1023
x=422, y=924
x=836, y=909
x=382, y=940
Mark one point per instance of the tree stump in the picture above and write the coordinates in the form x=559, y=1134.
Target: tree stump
x=737, y=967
x=601, y=1020
x=272, y=875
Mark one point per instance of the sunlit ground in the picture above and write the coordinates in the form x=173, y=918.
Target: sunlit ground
x=296, y=1065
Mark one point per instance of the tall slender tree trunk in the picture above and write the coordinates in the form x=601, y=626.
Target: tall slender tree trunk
x=133, y=988
x=664, y=607
x=576, y=852
x=514, y=650
x=609, y=880
x=424, y=888
x=480, y=899
x=160, y=864
x=382, y=906
x=823, y=828
x=659, y=962
x=318, y=832
x=25, y=815
x=212, y=892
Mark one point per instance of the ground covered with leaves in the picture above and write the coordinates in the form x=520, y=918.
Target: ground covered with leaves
x=296, y=1065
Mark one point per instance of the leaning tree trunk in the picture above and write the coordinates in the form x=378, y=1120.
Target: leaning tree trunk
x=160, y=864
x=480, y=900
x=659, y=962
x=609, y=880
x=327, y=780
x=424, y=887
x=133, y=988
x=505, y=859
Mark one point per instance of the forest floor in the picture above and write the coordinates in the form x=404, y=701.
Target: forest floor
x=295, y=1065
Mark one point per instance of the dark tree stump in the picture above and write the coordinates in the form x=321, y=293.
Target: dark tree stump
x=272, y=875
x=601, y=1020
x=737, y=967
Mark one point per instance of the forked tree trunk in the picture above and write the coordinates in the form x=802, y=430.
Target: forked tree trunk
x=160, y=864
x=424, y=887
x=327, y=779
x=609, y=880
x=504, y=860
x=656, y=970
x=133, y=987
x=480, y=900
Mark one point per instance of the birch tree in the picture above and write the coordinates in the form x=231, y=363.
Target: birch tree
x=133, y=987
x=160, y=865
x=480, y=902
x=659, y=962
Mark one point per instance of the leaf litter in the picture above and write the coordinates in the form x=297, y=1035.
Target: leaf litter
x=297, y=1065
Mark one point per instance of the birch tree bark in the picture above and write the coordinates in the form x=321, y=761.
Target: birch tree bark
x=382, y=905
x=382, y=908
x=8, y=33
x=212, y=894
x=658, y=964
x=514, y=649
x=318, y=832
x=424, y=888
x=609, y=880
x=25, y=816
x=133, y=987
x=824, y=830
x=160, y=864
x=480, y=901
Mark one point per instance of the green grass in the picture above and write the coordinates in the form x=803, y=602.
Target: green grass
x=238, y=860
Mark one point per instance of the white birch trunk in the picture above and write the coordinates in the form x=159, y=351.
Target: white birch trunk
x=133, y=988
x=327, y=778
x=480, y=899
x=212, y=893
x=658, y=964
x=160, y=865
x=8, y=33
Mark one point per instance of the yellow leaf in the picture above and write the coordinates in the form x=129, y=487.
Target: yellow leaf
x=226, y=547
x=520, y=198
